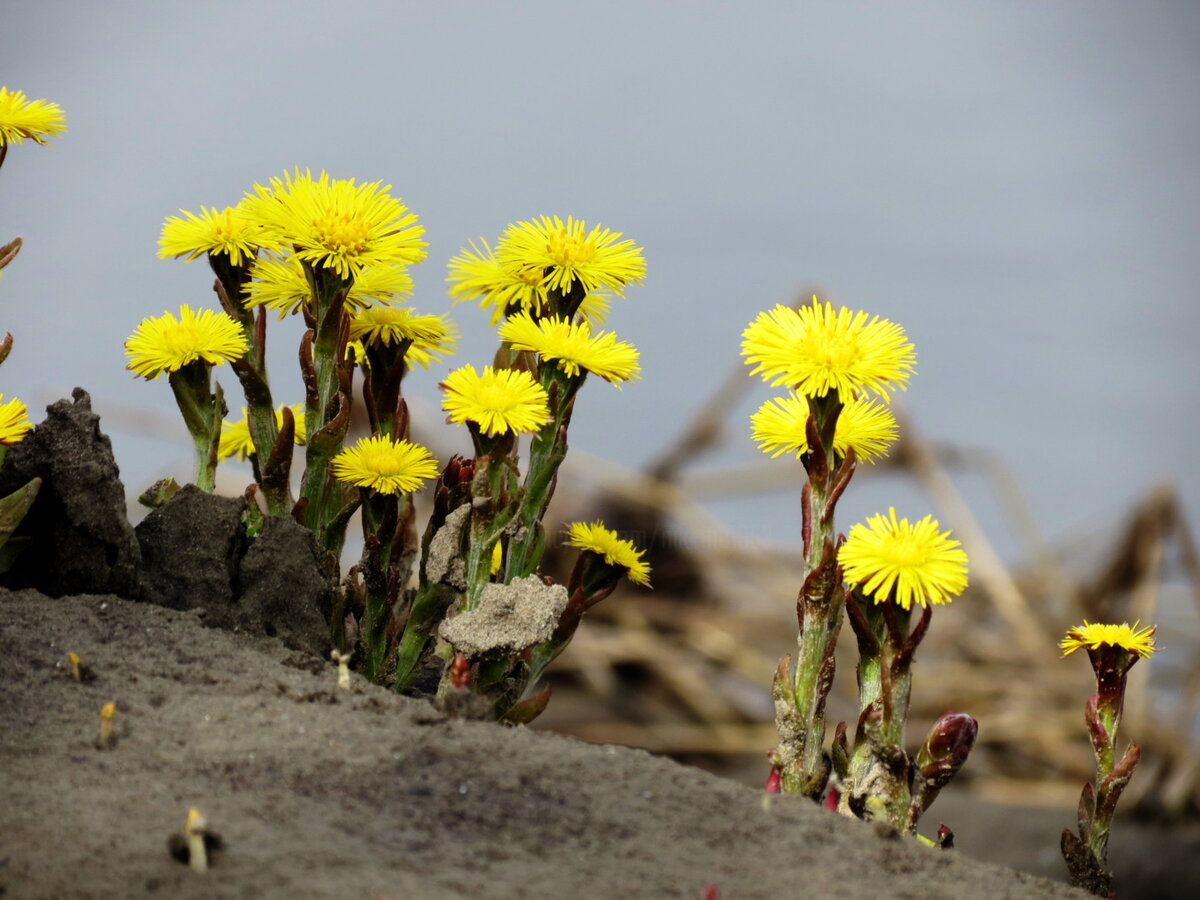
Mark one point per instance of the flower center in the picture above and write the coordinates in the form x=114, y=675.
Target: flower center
x=907, y=552
x=566, y=250
x=834, y=353
x=341, y=233
x=383, y=462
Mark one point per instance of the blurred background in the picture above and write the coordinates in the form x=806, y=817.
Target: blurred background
x=1016, y=184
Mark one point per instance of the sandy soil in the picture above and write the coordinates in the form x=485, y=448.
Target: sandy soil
x=325, y=793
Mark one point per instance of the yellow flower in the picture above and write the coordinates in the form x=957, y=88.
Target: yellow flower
x=573, y=346
x=476, y=273
x=165, y=344
x=281, y=286
x=384, y=465
x=779, y=427
x=14, y=421
x=235, y=436
x=597, y=539
x=1092, y=636
x=497, y=558
x=566, y=253
x=817, y=349
x=33, y=119
x=904, y=562
x=335, y=223
x=215, y=231
x=396, y=324
x=498, y=400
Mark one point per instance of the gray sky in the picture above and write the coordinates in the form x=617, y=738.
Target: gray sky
x=1014, y=183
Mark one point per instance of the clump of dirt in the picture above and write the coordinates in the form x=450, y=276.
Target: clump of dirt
x=76, y=536
x=509, y=617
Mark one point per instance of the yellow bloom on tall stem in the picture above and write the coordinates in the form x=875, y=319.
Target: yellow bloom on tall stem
x=14, y=421
x=780, y=426
x=573, y=346
x=477, y=274
x=497, y=400
x=396, y=324
x=904, y=562
x=596, y=538
x=567, y=252
x=280, y=285
x=215, y=231
x=33, y=119
x=166, y=344
x=235, y=436
x=817, y=349
x=1093, y=636
x=335, y=223
x=386, y=466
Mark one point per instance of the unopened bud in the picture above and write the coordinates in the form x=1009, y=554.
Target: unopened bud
x=108, y=734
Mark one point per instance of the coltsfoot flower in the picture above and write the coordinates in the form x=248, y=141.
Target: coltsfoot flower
x=432, y=337
x=1092, y=636
x=335, y=223
x=384, y=465
x=596, y=538
x=14, y=421
x=497, y=400
x=868, y=428
x=477, y=274
x=567, y=252
x=219, y=232
x=33, y=119
x=904, y=562
x=817, y=349
x=573, y=346
x=279, y=284
x=166, y=344
x=235, y=436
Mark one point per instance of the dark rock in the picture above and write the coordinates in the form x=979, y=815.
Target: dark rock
x=283, y=588
x=196, y=555
x=191, y=546
x=79, y=538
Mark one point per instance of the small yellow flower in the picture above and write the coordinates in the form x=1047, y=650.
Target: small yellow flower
x=213, y=232
x=477, y=274
x=497, y=400
x=33, y=119
x=1092, y=636
x=780, y=424
x=497, y=558
x=335, y=223
x=598, y=539
x=817, y=349
x=431, y=335
x=904, y=562
x=573, y=346
x=166, y=344
x=235, y=436
x=14, y=421
x=281, y=286
x=384, y=465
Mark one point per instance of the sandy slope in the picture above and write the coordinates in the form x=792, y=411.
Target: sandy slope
x=321, y=793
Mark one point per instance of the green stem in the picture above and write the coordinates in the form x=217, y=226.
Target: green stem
x=203, y=410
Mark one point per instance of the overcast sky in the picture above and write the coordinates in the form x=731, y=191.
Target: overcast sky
x=1015, y=183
